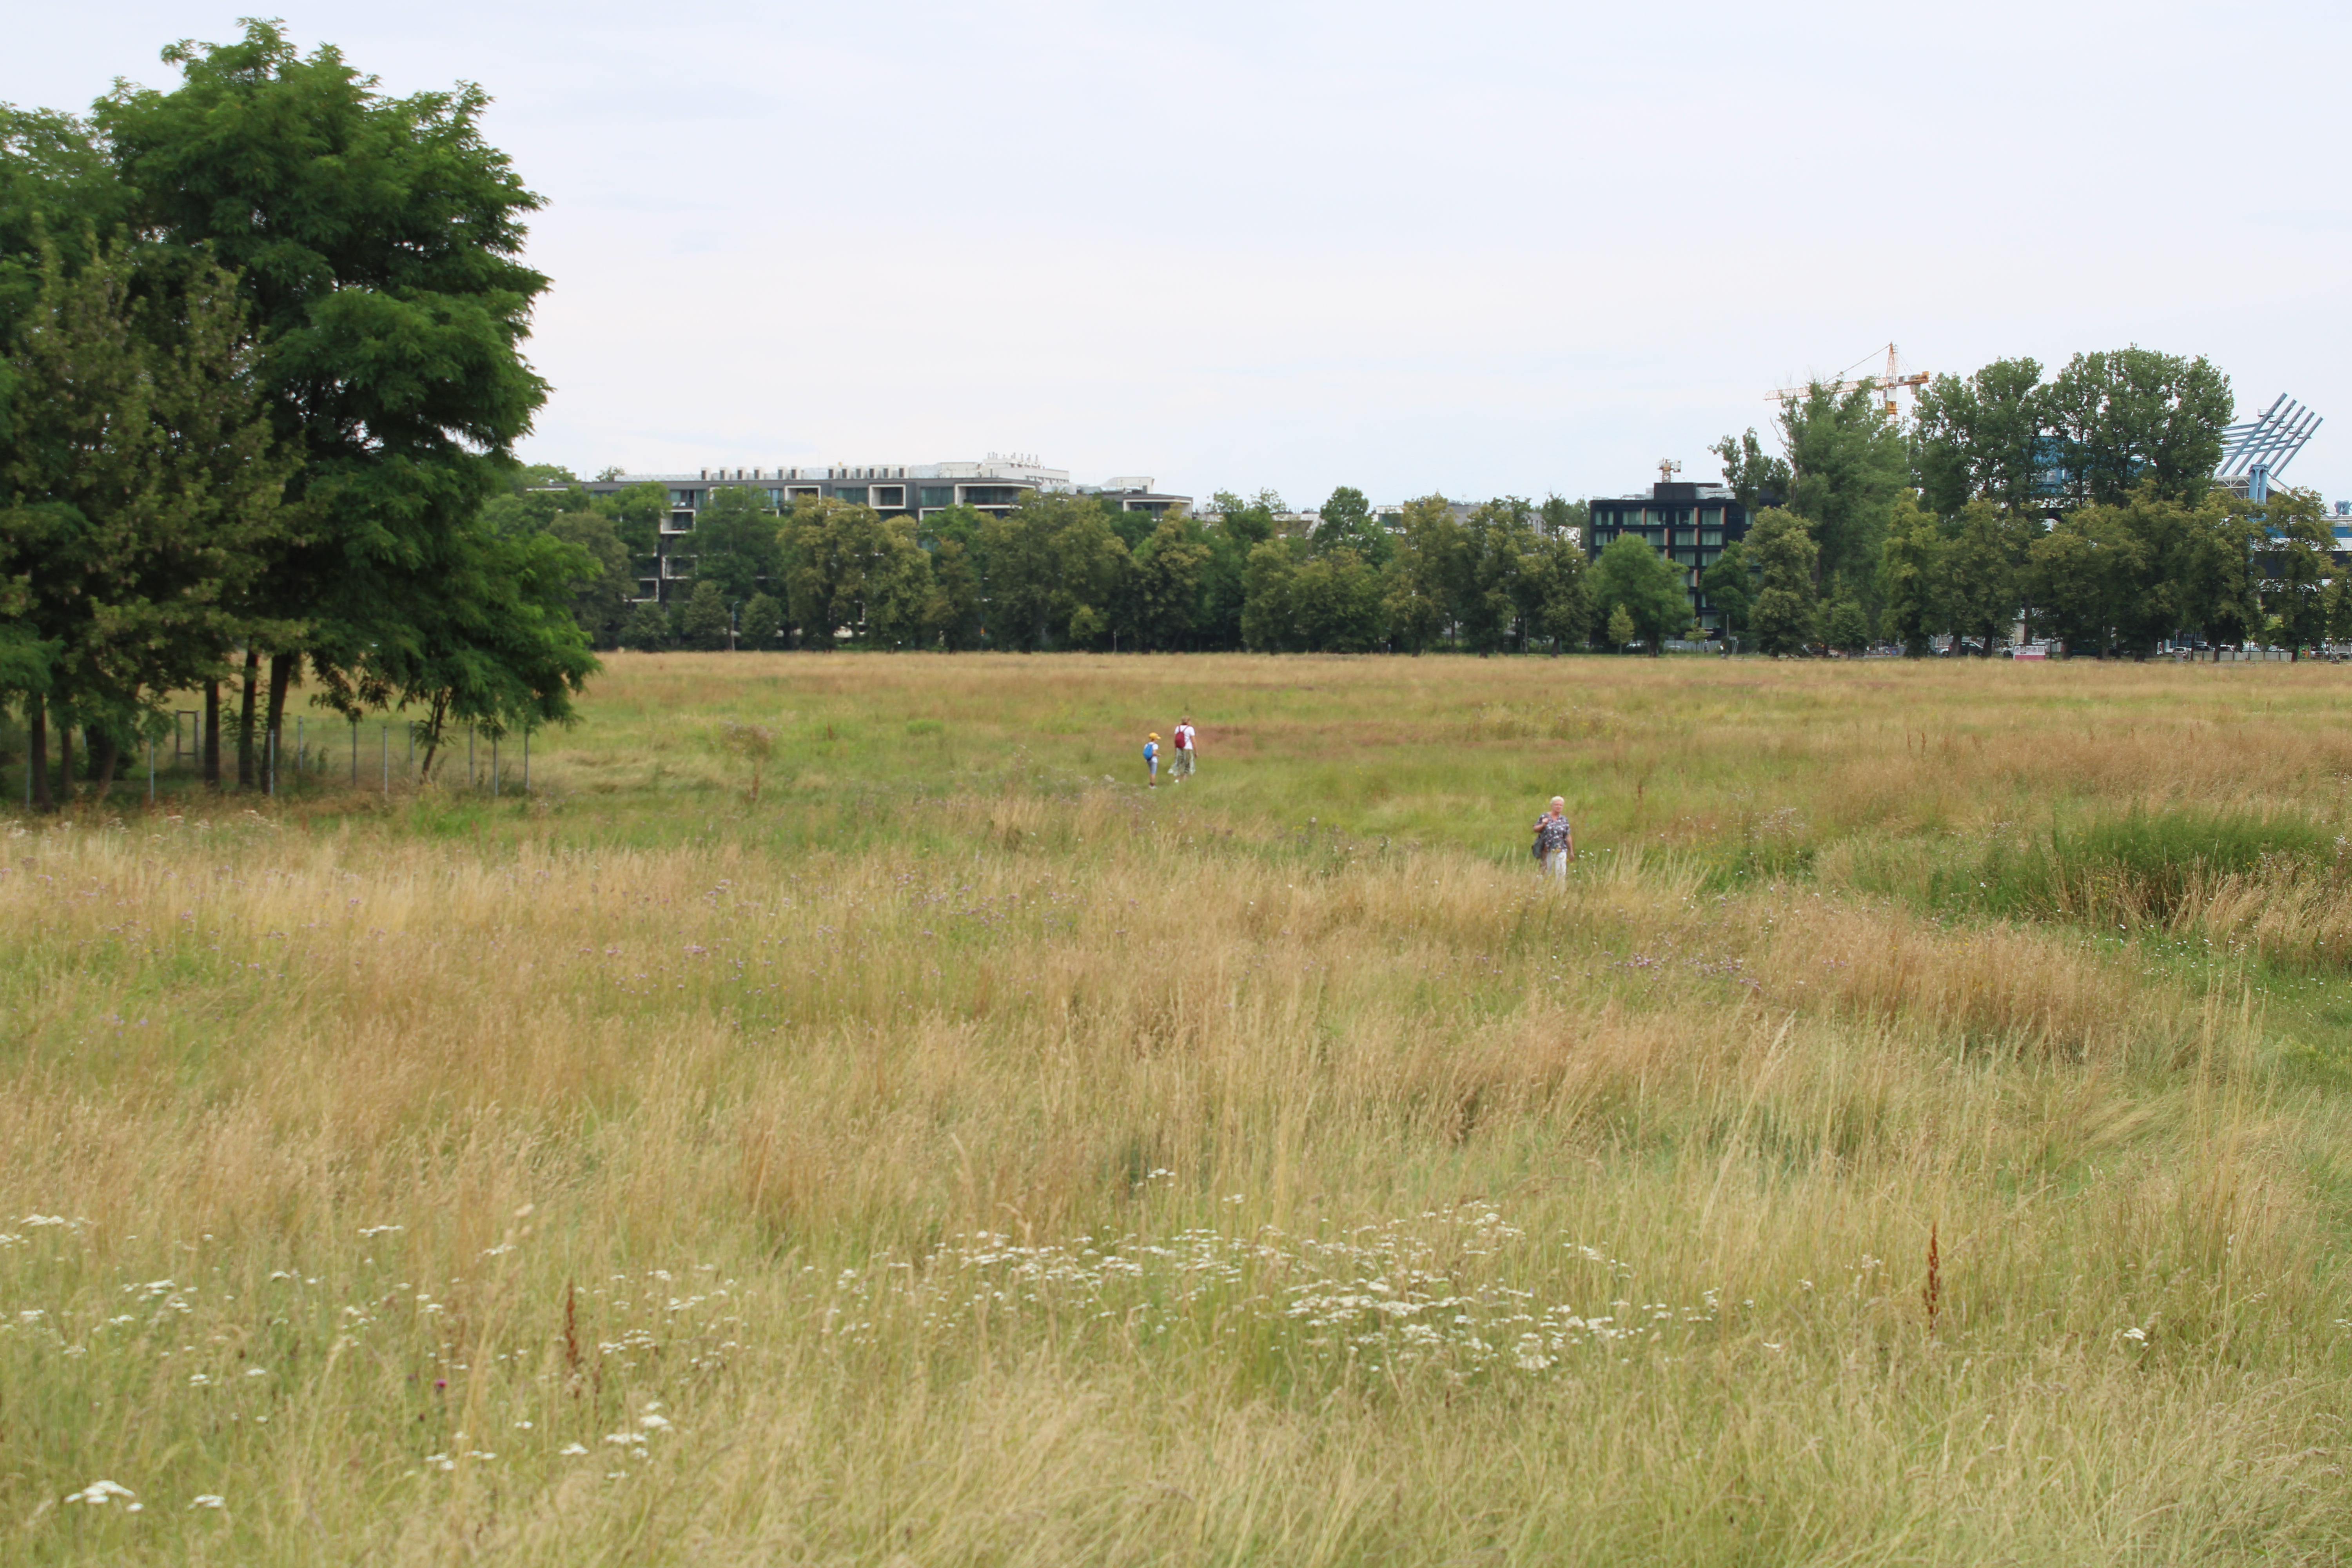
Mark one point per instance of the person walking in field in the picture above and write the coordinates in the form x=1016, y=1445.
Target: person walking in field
x=1152, y=759
x=1555, y=841
x=1180, y=766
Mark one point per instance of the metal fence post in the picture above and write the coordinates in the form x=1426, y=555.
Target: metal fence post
x=151, y=772
x=526, y=760
x=387, y=761
x=469, y=756
x=494, y=767
x=298, y=745
x=355, y=753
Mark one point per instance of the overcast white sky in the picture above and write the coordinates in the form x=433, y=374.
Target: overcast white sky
x=1477, y=248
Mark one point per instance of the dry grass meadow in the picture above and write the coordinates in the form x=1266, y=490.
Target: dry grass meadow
x=1919, y=1132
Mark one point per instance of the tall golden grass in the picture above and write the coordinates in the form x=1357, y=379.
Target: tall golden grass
x=1048, y=1171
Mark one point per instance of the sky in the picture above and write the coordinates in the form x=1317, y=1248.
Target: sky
x=1478, y=248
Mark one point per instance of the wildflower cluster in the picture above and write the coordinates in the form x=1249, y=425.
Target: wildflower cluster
x=1431, y=1292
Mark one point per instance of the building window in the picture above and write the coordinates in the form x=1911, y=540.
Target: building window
x=1710, y=536
x=686, y=497
x=992, y=495
x=803, y=492
x=1685, y=537
x=776, y=498
x=891, y=497
x=935, y=495
x=680, y=523
x=855, y=494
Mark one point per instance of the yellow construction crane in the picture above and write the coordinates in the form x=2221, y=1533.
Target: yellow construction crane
x=1887, y=382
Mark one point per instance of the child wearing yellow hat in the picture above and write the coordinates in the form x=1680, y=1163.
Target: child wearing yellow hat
x=1152, y=759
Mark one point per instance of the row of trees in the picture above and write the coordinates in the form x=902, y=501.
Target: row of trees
x=263, y=369
x=1073, y=570
x=2083, y=502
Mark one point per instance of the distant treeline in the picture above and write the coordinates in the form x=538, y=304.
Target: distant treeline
x=2083, y=503
x=1064, y=571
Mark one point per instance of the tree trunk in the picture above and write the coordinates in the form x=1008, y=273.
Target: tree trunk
x=244, y=754
x=212, y=734
x=65, y=764
x=282, y=667
x=104, y=753
x=433, y=736
x=37, y=748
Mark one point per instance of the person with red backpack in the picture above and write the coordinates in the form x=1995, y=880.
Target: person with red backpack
x=1181, y=765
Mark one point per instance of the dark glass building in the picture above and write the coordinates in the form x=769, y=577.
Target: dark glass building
x=1689, y=523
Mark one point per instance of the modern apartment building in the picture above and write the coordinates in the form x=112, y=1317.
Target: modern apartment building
x=1688, y=523
x=994, y=485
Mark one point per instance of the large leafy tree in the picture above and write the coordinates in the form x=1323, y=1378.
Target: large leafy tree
x=1730, y=586
x=378, y=242
x=1236, y=526
x=2135, y=416
x=856, y=570
x=1335, y=602
x=739, y=545
x=1913, y=576
x=1046, y=560
x=2297, y=561
x=1848, y=462
x=142, y=485
x=1564, y=601
x=2085, y=574
x=1755, y=478
x=1785, y=613
x=1985, y=436
x=1346, y=523
x=1165, y=589
x=1498, y=592
x=1985, y=582
x=1647, y=585
x=1424, y=571
x=1269, y=613
x=706, y=620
